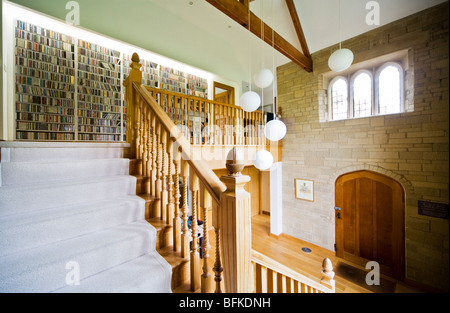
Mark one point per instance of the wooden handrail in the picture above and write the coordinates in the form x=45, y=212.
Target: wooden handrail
x=208, y=178
x=269, y=263
x=169, y=163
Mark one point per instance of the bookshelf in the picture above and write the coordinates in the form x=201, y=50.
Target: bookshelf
x=99, y=93
x=45, y=75
x=197, y=86
x=70, y=89
x=172, y=80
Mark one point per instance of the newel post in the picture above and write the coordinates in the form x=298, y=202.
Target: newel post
x=133, y=122
x=234, y=218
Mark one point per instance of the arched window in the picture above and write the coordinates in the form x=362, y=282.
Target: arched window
x=367, y=92
x=361, y=94
x=339, y=98
x=389, y=92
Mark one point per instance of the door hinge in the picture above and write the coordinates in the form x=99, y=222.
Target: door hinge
x=335, y=248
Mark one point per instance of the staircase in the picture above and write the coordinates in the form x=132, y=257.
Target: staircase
x=70, y=221
x=164, y=232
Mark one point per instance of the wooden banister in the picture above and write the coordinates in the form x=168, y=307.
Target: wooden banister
x=272, y=276
x=211, y=182
x=173, y=170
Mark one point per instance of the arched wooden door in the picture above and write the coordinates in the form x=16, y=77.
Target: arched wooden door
x=370, y=222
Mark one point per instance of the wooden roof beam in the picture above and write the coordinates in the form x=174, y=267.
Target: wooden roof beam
x=298, y=27
x=239, y=12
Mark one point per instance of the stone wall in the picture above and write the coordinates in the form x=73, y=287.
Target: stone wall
x=411, y=147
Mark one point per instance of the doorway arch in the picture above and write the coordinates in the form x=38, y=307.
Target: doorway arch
x=370, y=221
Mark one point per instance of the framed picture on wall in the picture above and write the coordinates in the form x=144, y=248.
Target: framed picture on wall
x=304, y=189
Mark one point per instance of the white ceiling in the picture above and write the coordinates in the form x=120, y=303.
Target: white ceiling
x=222, y=46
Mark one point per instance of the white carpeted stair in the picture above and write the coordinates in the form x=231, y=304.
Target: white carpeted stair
x=73, y=203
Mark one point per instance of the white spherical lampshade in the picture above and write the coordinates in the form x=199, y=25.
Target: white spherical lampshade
x=250, y=101
x=275, y=130
x=263, y=78
x=263, y=160
x=340, y=60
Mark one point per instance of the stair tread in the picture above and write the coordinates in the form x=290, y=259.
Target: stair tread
x=29, y=269
x=172, y=257
x=147, y=197
x=144, y=274
x=22, y=231
x=158, y=223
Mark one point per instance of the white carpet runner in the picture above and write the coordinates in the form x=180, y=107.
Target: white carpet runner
x=70, y=221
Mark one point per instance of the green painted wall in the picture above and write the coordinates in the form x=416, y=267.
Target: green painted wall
x=145, y=24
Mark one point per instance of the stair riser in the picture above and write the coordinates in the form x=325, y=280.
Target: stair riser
x=42, y=275
x=21, y=200
x=63, y=227
x=58, y=154
x=33, y=173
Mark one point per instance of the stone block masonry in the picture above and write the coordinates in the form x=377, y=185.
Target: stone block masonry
x=411, y=147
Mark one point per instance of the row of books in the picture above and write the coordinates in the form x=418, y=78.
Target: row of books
x=62, y=66
x=39, y=91
x=98, y=85
x=35, y=108
x=92, y=102
x=65, y=83
x=31, y=72
x=49, y=84
x=99, y=78
x=106, y=64
x=97, y=122
x=99, y=114
x=45, y=126
x=97, y=48
x=23, y=52
x=98, y=129
x=44, y=136
x=44, y=118
x=27, y=99
x=95, y=137
x=20, y=25
x=43, y=40
x=99, y=93
x=23, y=43
x=99, y=70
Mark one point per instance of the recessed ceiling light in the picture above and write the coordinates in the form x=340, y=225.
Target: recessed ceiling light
x=191, y=3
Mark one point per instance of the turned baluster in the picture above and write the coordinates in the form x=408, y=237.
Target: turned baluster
x=154, y=161
x=177, y=196
x=163, y=194
x=170, y=172
x=148, y=173
x=144, y=132
x=206, y=277
x=158, y=185
x=195, y=255
x=186, y=235
x=218, y=269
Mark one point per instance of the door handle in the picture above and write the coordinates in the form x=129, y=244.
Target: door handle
x=338, y=210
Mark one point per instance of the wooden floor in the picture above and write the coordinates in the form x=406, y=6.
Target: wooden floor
x=288, y=251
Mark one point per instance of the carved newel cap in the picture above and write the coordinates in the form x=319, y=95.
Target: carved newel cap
x=235, y=162
x=135, y=58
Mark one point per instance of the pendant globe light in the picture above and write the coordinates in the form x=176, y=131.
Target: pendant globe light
x=250, y=100
x=263, y=160
x=341, y=59
x=264, y=77
x=274, y=130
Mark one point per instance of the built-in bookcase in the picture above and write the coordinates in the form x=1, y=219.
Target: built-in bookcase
x=99, y=93
x=172, y=80
x=45, y=76
x=69, y=89
x=197, y=86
